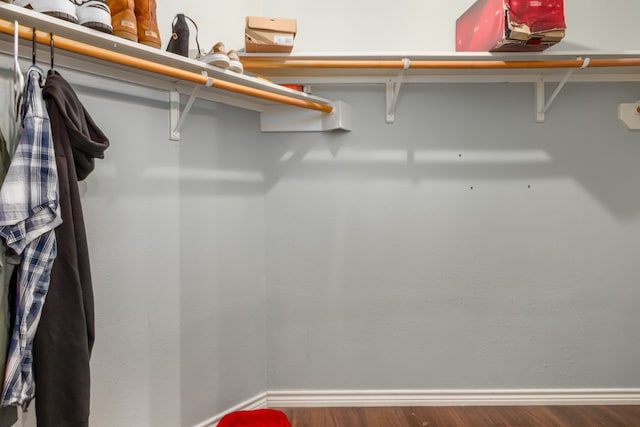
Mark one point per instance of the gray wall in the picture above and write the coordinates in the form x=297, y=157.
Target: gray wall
x=177, y=240
x=464, y=246
x=385, y=270
x=176, y=236
x=234, y=262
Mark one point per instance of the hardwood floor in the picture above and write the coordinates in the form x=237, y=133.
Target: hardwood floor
x=470, y=416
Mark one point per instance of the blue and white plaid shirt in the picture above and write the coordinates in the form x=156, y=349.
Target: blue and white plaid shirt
x=29, y=212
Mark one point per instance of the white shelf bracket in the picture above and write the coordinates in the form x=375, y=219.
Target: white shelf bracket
x=393, y=91
x=630, y=115
x=291, y=119
x=177, y=118
x=543, y=105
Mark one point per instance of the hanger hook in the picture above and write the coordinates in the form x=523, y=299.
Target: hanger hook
x=33, y=47
x=18, y=78
x=51, y=47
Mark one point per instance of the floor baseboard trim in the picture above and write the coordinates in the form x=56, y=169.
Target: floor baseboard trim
x=257, y=402
x=307, y=398
x=337, y=398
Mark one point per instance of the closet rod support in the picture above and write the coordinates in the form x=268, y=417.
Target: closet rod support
x=629, y=114
x=543, y=105
x=393, y=91
x=177, y=118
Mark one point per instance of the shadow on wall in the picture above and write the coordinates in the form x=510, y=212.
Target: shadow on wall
x=466, y=133
x=218, y=152
x=476, y=135
x=471, y=134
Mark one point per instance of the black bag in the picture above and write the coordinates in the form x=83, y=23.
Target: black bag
x=179, y=41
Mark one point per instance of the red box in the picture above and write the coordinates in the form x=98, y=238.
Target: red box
x=510, y=26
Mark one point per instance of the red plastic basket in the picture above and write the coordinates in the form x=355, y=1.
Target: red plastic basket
x=255, y=418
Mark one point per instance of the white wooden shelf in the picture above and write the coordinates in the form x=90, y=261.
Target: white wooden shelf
x=102, y=67
x=454, y=67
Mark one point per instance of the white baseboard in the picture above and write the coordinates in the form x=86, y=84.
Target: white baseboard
x=326, y=398
x=306, y=398
x=260, y=401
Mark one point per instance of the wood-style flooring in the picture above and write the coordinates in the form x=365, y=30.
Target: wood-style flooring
x=469, y=416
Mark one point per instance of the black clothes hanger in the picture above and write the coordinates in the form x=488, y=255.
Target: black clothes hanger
x=33, y=47
x=51, y=48
x=52, y=71
x=33, y=52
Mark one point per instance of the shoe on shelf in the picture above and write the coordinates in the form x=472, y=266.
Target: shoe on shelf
x=234, y=61
x=217, y=56
x=123, y=19
x=63, y=9
x=94, y=14
x=147, y=22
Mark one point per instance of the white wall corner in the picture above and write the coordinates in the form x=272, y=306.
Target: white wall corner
x=257, y=402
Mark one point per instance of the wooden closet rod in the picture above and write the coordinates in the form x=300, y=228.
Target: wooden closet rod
x=264, y=63
x=119, y=58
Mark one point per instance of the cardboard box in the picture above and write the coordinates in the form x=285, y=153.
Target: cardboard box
x=510, y=26
x=264, y=34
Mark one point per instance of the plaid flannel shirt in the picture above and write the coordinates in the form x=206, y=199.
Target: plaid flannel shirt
x=29, y=212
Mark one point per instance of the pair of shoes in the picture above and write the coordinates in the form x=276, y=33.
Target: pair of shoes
x=90, y=13
x=223, y=58
x=135, y=20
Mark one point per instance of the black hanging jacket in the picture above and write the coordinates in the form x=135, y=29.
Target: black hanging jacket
x=65, y=335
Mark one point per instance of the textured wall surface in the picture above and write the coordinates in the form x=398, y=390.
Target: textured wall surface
x=464, y=246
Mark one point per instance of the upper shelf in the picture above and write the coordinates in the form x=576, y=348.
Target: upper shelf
x=93, y=52
x=105, y=55
x=152, y=67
